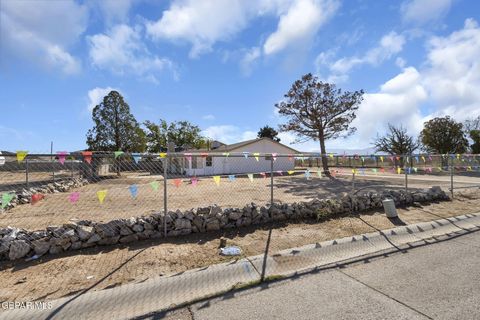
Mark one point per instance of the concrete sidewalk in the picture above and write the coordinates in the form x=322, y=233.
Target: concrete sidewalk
x=137, y=300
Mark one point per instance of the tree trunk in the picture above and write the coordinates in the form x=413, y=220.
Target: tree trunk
x=324, y=155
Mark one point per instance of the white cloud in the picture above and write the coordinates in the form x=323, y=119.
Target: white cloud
x=228, y=133
x=453, y=73
x=249, y=59
x=115, y=10
x=208, y=117
x=300, y=23
x=204, y=23
x=121, y=50
x=424, y=11
x=388, y=46
x=95, y=96
x=41, y=32
x=400, y=62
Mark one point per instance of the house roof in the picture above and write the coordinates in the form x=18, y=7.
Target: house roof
x=237, y=145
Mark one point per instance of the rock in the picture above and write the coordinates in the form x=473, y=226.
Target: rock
x=128, y=238
x=213, y=225
x=18, y=249
x=235, y=215
x=215, y=210
x=4, y=247
x=94, y=238
x=106, y=230
x=148, y=226
x=108, y=241
x=125, y=231
x=137, y=228
x=41, y=246
x=55, y=249
x=84, y=232
x=76, y=245
x=182, y=224
x=199, y=222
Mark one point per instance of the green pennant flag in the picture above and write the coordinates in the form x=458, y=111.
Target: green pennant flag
x=118, y=154
x=6, y=198
x=154, y=185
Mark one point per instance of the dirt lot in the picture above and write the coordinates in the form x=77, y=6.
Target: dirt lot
x=105, y=267
x=56, y=209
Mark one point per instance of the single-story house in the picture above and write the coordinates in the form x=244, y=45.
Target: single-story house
x=207, y=164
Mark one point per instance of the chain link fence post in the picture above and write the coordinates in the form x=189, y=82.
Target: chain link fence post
x=26, y=172
x=165, y=166
x=452, y=168
x=271, y=179
x=353, y=179
x=405, y=162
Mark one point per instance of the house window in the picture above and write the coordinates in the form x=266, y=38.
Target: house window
x=208, y=161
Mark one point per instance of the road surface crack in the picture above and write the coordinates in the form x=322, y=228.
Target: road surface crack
x=386, y=295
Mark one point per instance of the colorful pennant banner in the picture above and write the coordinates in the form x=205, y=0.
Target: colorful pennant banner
x=73, y=197
x=87, y=156
x=154, y=185
x=133, y=190
x=217, y=180
x=118, y=154
x=250, y=176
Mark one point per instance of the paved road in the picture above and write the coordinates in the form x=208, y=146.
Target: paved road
x=437, y=281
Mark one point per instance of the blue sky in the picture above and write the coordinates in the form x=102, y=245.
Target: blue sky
x=223, y=64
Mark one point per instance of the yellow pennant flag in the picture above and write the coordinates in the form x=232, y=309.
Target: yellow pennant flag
x=21, y=155
x=256, y=155
x=331, y=155
x=226, y=154
x=458, y=155
x=163, y=155
x=250, y=176
x=291, y=171
x=217, y=180
x=399, y=170
x=381, y=158
x=354, y=171
x=319, y=173
x=423, y=158
x=101, y=195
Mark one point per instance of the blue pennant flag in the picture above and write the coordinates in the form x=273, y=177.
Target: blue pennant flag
x=231, y=177
x=133, y=190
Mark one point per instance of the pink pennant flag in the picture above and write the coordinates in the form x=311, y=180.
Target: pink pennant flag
x=194, y=181
x=204, y=154
x=274, y=156
x=280, y=172
x=188, y=156
x=391, y=159
x=263, y=174
x=74, y=196
x=62, y=155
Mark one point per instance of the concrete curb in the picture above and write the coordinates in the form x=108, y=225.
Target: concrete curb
x=134, y=300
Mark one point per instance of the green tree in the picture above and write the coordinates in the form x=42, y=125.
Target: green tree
x=319, y=111
x=115, y=128
x=443, y=135
x=268, y=132
x=475, y=136
x=396, y=141
x=182, y=134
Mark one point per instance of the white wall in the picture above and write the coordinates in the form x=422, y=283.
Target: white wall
x=235, y=165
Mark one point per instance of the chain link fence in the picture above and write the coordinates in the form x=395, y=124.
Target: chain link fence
x=75, y=195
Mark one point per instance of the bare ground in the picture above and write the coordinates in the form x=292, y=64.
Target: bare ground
x=56, y=209
x=106, y=267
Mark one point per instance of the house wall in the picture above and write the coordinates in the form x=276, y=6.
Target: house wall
x=236, y=165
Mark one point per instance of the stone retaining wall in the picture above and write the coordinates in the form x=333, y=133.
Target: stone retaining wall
x=24, y=195
x=18, y=243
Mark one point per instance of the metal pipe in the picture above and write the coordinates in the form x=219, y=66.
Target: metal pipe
x=405, y=161
x=271, y=180
x=165, y=164
x=452, y=168
x=26, y=172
